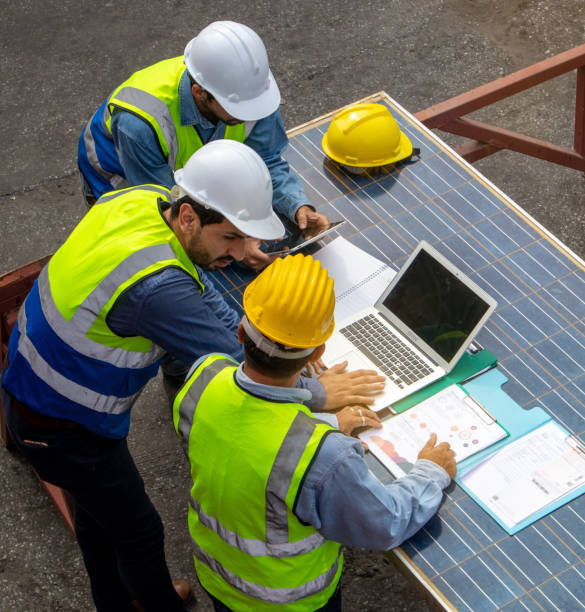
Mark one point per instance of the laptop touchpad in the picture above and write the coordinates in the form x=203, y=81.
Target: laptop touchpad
x=355, y=361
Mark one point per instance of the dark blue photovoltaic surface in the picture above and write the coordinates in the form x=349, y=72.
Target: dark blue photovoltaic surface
x=537, y=334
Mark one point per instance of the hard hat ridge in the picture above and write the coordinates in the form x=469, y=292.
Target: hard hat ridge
x=292, y=302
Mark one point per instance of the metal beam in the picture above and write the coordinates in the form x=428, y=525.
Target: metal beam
x=506, y=139
x=439, y=114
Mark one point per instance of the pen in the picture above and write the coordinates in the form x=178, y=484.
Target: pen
x=491, y=366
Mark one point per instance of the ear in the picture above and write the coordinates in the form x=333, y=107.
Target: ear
x=188, y=220
x=241, y=333
x=317, y=353
x=197, y=91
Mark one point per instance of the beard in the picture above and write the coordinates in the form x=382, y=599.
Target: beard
x=201, y=257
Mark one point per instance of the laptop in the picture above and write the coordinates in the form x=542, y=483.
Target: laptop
x=417, y=330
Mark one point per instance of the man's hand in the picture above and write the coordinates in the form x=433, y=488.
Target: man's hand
x=441, y=454
x=255, y=258
x=310, y=222
x=315, y=368
x=344, y=388
x=354, y=417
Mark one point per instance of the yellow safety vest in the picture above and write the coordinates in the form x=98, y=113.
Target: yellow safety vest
x=153, y=95
x=72, y=364
x=248, y=458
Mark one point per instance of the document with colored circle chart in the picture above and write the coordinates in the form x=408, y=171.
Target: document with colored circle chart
x=452, y=414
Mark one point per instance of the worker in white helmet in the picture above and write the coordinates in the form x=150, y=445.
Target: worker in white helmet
x=91, y=333
x=153, y=122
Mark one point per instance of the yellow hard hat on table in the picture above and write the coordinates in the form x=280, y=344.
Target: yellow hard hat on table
x=365, y=136
x=292, y=302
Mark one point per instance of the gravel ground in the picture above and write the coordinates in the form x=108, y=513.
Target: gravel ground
x=59, y=60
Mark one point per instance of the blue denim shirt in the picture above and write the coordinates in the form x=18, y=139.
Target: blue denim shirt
x=167, y=308
x=343, y=500
x=144, y=163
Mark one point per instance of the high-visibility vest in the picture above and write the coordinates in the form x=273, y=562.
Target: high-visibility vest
x=248, y=458
x=153, y=95
x=64, y=359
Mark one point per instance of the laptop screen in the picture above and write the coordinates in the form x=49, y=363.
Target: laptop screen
x=441, y=306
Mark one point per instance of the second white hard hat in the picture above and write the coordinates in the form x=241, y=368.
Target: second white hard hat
x=233, y=179
x=229, y=60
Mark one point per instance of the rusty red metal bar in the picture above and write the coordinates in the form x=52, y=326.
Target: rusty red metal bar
x=14, y=287
x=486, y=139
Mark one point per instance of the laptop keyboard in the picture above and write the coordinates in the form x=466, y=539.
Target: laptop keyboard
x=394, y=358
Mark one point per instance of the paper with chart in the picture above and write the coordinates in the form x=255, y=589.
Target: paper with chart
x=359, y=277
x=452, y=414
x=528, y=474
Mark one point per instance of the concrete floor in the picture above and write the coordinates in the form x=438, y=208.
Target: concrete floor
x=60, y=60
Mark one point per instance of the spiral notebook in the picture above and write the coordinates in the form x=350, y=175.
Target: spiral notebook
x=359, y=277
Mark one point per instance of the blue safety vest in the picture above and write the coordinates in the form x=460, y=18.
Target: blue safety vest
x=65, y=361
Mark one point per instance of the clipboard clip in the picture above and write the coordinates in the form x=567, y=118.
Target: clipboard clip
x=481, y=412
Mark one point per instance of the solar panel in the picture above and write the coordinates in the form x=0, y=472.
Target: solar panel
x=537, y=333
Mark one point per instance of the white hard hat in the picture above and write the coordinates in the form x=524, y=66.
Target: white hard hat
x=232, y=178
x=229, y=60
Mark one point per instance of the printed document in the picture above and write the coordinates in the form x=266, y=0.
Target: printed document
x=528, y=474
x=451, y=413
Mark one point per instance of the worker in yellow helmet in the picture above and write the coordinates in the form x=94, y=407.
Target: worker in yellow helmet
x=365, y=136
x=277, y=490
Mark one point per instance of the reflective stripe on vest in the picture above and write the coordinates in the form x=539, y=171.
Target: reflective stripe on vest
x=277, y=544
x=279, y=596
x=74, y=331
x=71, y=390
x=153, y=95
x=258, y=548
x=117, y=181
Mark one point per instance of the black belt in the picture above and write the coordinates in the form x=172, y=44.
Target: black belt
x=40, y=420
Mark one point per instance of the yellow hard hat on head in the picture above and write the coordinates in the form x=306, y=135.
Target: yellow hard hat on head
x=292, y=302
x=365, y=135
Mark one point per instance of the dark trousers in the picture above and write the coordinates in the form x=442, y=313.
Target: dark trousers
x=118, y=528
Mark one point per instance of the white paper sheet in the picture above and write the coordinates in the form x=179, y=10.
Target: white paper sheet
x=452, y=414
x=359, y=277
x=528, y=474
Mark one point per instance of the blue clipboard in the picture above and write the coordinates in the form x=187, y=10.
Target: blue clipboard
x=487, y=390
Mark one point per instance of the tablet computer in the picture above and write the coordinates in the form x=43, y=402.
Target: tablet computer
x=293, y=247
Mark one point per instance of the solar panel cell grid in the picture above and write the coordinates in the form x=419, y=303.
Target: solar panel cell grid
x=537, y=333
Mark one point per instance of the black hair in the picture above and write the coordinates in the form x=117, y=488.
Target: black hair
x=272, y=366
x=210, y=96
x=207, y=216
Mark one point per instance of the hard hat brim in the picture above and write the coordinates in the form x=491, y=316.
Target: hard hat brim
x=257, y=108
x=264, y=229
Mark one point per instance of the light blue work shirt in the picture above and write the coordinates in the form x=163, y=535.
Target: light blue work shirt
x=342, y=499
x=143, y=161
